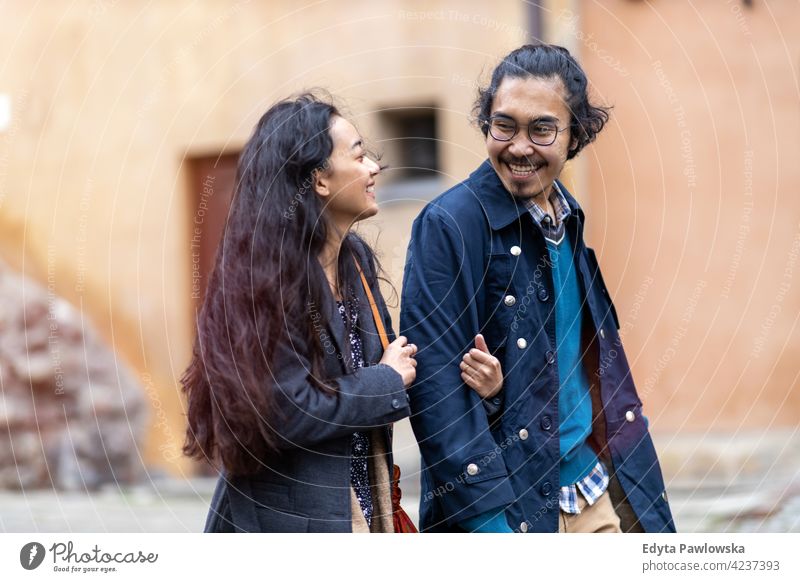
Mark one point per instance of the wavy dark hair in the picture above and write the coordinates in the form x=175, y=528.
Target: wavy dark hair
x=546, y=61
x=265, y=277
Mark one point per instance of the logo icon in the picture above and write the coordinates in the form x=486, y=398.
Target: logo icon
x=31, y=555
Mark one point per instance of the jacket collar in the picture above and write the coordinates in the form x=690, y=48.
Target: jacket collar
x=500, y=206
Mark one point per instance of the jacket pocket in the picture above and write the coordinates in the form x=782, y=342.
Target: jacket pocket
x=488, y=465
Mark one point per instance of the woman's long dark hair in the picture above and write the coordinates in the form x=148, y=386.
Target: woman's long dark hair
x=265, y=277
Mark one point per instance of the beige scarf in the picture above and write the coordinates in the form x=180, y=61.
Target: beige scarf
x=380, y=484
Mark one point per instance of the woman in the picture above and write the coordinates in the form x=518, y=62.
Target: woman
x=289, y=388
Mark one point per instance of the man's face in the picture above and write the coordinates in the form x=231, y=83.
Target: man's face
x=528, y=170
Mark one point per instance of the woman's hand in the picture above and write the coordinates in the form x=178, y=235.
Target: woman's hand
x=399, y=355
x=481, y=371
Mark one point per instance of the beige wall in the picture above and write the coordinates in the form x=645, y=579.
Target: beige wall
x=110, y=96
x=692, y=193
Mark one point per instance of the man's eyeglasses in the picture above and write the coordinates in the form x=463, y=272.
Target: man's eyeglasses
x=542, y=133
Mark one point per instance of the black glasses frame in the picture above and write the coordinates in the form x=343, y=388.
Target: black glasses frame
x=488, y=123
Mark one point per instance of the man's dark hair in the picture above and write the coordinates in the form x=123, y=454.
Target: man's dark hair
x=545, y=61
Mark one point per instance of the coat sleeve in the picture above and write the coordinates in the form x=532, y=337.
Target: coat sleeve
x=372, y=396
x=440, y=314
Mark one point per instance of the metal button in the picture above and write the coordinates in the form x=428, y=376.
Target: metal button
x=472, y=469
x=551, y=357
x=510, y=300
x=546, y=422
x=522, y=343
x=496, y=401
x=546, y=488
x=516, y=251
x=602, y=334
x=523, y=527
x=395, y=403
x=542, y=294
x=523, y=434
x=630, y=416
x=664, y=495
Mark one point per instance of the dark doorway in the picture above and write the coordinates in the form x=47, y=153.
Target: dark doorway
x=212, y=183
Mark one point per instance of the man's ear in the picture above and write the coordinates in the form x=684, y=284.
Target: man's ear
x=321, y=184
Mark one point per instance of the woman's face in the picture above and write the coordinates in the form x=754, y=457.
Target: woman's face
x=348, y=183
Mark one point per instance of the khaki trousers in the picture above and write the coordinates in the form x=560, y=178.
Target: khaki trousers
x=597, y=518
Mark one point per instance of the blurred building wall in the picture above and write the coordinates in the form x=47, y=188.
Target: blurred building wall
x=689, y=191
x=111, y=100
x=692, y=202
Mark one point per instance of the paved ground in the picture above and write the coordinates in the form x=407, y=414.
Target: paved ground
x=754, y=487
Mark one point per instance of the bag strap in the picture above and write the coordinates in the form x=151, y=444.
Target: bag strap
x=375, y=313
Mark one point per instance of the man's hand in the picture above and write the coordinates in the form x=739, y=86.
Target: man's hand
x=481, y=371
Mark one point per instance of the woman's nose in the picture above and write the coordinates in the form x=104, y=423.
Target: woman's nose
x=374, y=167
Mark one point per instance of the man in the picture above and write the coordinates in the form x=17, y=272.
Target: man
x=563, y=445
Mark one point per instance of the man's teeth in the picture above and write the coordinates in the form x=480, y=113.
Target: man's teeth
x=371, y=189
x=522, y=168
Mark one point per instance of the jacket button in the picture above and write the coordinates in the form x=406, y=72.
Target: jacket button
x=664, y=495
x=546, y=488
x=510, y=300
x=546, y=422
x=523, y=527
x=523, y=434
x=602, y=333
x=395, y=403
x=543, y=294
x=516, y=251
x=472, y=469
x=630, y=416
x=522, y=343
x=551, y=357
x=496, y=401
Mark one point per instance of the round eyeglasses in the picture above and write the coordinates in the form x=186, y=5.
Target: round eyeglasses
x=542, y=133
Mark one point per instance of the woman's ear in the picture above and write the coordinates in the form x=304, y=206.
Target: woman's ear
x=321, y=184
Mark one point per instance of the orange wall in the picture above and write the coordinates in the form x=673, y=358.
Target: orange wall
x=692, y=196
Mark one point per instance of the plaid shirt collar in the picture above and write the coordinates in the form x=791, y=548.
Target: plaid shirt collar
x=552, y=232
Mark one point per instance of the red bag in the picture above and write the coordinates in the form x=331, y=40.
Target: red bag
x=402, y=523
